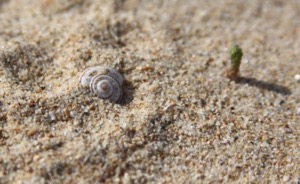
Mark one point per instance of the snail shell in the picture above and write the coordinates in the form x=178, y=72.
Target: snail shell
x=86, y=77
x=104, y=82
x=106, y=87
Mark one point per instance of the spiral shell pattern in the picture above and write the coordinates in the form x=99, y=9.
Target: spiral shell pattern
x=86, y=76
x=104, y=82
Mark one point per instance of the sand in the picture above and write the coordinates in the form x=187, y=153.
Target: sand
x=181, y=120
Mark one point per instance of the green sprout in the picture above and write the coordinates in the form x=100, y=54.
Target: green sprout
x=236, y=55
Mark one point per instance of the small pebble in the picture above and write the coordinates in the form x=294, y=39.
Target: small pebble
x=298, y=111
x=52, y=116
x=73, y=114
x=297, y=77
x=286, y=178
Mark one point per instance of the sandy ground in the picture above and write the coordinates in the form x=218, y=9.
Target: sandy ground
x=181, y=120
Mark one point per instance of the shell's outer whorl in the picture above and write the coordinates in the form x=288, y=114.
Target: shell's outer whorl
x=114, y=92
x=116, y=75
